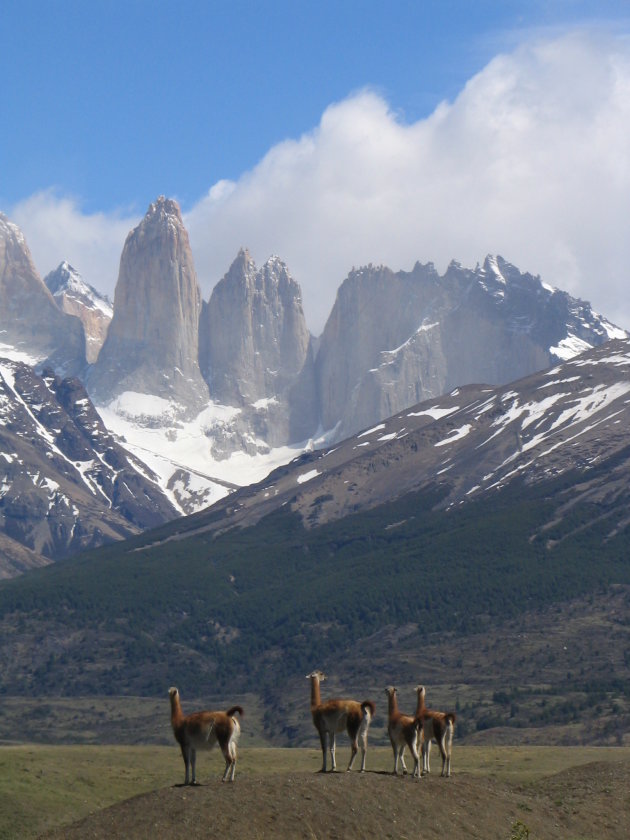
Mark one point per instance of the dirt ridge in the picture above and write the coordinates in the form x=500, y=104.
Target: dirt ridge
x=591, y=801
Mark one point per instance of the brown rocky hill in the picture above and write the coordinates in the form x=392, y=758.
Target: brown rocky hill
x=15, y=558
x=586, y=801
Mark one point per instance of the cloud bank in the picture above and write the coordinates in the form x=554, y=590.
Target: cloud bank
x=531, y=161
x=56, y=229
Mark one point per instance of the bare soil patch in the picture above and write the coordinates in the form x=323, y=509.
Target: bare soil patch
x=590, y=802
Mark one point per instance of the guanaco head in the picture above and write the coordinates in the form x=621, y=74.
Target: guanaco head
x=390, y=691
x=172, y=692
x=320, y=676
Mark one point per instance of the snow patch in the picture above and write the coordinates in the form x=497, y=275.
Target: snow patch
x=371, y=431
x=569, y=347
x=138, y=407
x=168, y=445
x=558, y=382
x=456, y=434
x=611, y=330
x=421, y=328
x=435, y=412
x=264, y=403
x=8, y=351
x=307, y=476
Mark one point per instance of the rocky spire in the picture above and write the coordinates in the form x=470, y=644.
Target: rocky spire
x=32, y=327
x=152, y=342
x=255, y=336
x=255, y=345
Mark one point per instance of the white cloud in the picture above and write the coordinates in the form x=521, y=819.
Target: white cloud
x=56, y=229
x=531, y=161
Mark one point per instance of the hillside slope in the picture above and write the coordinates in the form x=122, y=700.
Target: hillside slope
x=589, y=801
x=65, y=483
x=256, y=610
x=462, y=447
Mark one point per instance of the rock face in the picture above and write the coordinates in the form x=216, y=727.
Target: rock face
x=152, y=341
x=256, y=350
x=396, y=339
x=65, y=483
x=75, y=297
x=31, y=325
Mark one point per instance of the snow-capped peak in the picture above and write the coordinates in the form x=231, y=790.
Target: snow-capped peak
x=67, y=281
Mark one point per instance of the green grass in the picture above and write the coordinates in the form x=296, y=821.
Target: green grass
x=42, y=787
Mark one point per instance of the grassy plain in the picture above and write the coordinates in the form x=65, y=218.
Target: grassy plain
x=47, y=787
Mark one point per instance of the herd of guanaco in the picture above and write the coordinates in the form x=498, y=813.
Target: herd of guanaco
x=202, y=730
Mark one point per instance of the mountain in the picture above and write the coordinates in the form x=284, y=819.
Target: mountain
x=467, y=445
x=65, y=483
x=435, y=532
x=212, y=395
x=32, y=327
x=152, y=341
x=394, y=339
x=76, y=297
x=257, y=350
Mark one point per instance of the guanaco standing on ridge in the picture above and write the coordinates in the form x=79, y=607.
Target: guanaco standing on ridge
x=439, y=726
x=201, y=731
x=334, y=716
x=404, y=731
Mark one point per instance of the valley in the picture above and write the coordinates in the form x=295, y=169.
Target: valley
x=475, y=541
x=315, y=418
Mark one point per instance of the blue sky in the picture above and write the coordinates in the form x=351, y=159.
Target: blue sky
x=116, y=102
x=106, y=105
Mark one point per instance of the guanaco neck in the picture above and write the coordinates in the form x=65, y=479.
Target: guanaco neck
x=176, y=710
x=316, y=699
x=392, y=704
x=420, y=707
